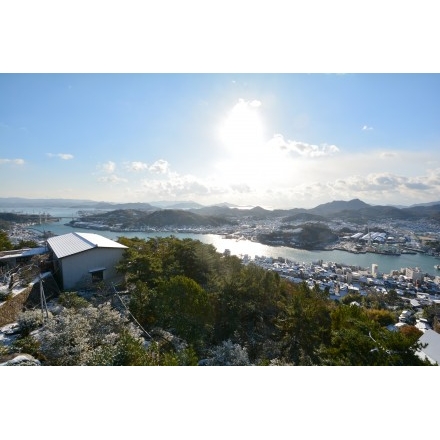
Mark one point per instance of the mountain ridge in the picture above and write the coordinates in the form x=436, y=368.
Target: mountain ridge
x=352, y=210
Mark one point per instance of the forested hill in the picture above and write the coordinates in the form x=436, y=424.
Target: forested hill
x=182, y=303
x=133, y=219
x=353, y=210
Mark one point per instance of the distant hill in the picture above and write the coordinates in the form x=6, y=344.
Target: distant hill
x=304, y=216
x=355, y=210
x=428, y=211
x=306, y=236
x=131, y=218
x=371, y=213
x=424, y=204
x=215, y=210
x=338, y=206
x=179, y=218
x=177, y=205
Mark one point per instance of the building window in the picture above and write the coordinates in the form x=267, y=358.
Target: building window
x=97, y=274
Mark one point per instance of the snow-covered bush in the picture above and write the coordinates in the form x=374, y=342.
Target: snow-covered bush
x=228, y=353
x=72, y=300
x=29, y=321
x=84, y=336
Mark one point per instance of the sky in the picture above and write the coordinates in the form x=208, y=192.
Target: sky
x=280, y=107
x=274, y=140
x=143, y=101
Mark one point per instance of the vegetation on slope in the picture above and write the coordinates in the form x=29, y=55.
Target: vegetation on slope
x=131, y=218
x=190, y=305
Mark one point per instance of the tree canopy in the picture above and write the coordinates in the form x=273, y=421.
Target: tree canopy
x=198, y=306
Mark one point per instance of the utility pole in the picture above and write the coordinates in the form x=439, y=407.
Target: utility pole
x=43, y=300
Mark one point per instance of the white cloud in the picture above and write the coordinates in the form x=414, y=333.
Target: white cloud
x=241, y=188
x=112, y=178
x=367, y=128
x=160, y=167
x=174, y=185
x=108, y=167
x=254, y=103
x=433, y=177
x=387, y=187
x=302, y=148
x=388, y=155
x=12, y=161
x=63, y=156
x=136, y=166
x=381, y=188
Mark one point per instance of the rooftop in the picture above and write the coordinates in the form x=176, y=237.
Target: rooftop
x=76, y=242
x=432, y=350
x=27, y=252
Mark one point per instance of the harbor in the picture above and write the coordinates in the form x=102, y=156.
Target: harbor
x=386, y=263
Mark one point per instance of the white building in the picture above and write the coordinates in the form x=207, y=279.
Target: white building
x=415, y=274
x=374, y=270
x=83, y=258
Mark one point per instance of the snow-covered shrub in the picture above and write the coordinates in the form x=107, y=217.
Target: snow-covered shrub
x=72, y=300
x=28, y=345
x=86, y=336
x=228, y=353
x=29, y=321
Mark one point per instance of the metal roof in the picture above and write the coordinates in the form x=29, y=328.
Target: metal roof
x=76, y=242
x=22, y=253
x=432, y=350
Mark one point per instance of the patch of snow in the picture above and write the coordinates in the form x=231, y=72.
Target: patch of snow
x=21, y=359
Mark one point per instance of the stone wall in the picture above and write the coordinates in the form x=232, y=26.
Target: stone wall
x=28, y=298
x=12, y=307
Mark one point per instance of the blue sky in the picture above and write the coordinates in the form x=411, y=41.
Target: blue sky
x=274, y=140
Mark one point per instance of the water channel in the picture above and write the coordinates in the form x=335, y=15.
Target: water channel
x=386, y=263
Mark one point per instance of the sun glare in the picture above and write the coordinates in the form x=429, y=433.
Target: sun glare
x=242, y=131
x=249, y=161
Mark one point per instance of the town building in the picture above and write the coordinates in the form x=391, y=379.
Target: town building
x=10, y=259
x=414, y=274
x=80, y=259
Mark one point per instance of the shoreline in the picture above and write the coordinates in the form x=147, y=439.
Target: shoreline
x=245, y=245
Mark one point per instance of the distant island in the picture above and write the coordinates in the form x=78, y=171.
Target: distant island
x=352, y=226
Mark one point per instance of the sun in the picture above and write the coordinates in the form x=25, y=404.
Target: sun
x=247, y=162
x=243, y=130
